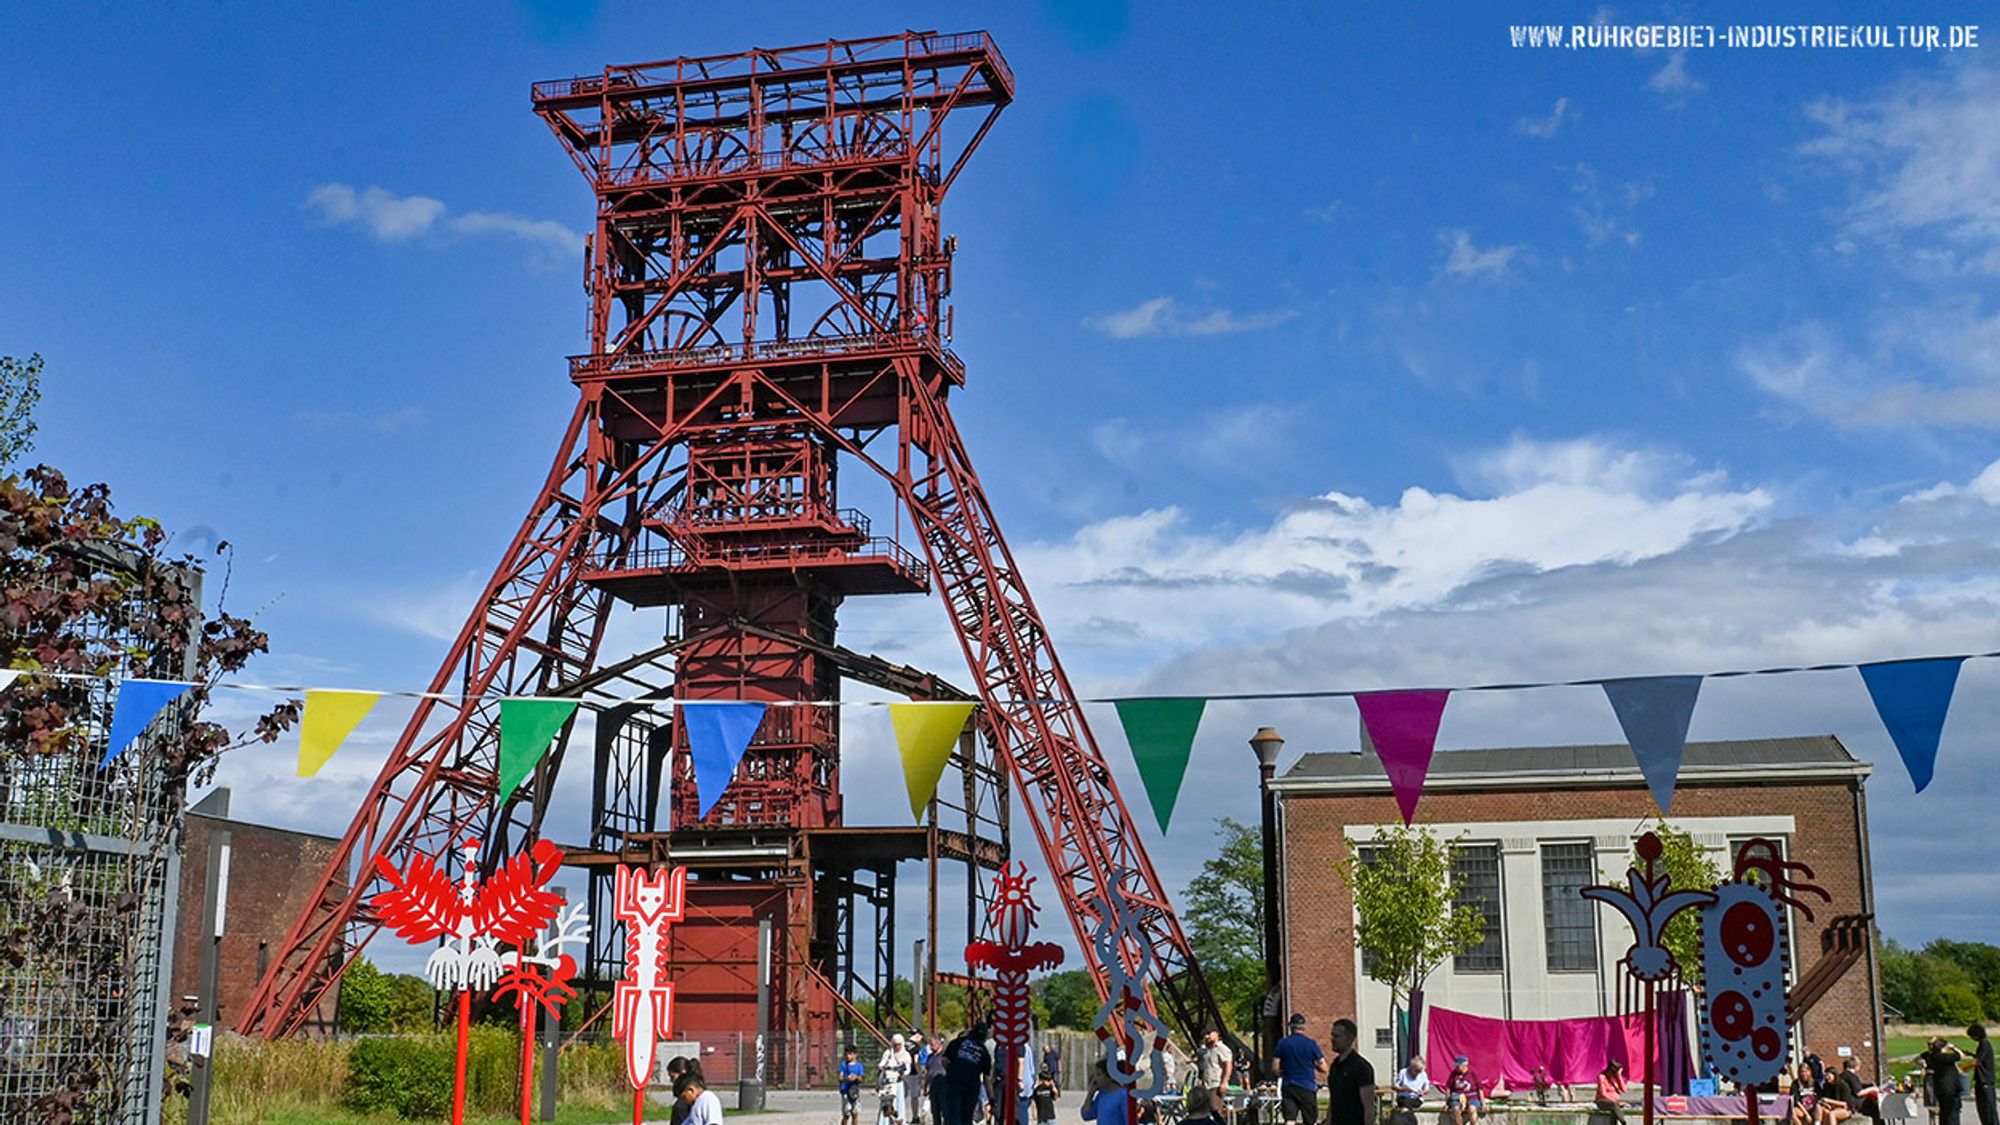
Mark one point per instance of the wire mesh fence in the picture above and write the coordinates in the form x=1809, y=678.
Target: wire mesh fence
x=89, y=863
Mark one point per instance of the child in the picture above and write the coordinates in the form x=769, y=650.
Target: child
x=1045, y=1097
x=850, y=1088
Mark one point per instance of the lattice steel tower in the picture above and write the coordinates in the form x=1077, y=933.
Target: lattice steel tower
x=767, y=281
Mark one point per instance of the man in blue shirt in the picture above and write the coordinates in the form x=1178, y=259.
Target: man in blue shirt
x=1301, y=1064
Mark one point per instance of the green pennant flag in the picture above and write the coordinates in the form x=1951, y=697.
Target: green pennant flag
x=527, y=727
x=1161, y=734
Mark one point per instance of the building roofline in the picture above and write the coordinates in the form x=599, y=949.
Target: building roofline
x=1354, y=778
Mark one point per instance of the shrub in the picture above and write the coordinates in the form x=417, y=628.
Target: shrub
x=409, y=1077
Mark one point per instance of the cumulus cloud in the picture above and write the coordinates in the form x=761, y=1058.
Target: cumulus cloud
x=389, y=217
x=1464, y=260
x=1164, y=316
x=1543, y=128
x=1925, y=158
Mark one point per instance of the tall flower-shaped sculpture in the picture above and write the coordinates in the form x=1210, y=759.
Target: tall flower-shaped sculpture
x=1011, y=918
x=474, y=918
x=1649, y=904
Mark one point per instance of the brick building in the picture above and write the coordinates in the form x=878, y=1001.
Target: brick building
x=272, y=874
x=1536, y=823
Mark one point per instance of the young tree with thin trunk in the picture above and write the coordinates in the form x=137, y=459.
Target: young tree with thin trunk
x=1407, y=921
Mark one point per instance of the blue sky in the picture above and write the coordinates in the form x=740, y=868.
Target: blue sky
x=1309, y=347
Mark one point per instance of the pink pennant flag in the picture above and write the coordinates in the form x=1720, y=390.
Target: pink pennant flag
x=1403, y=725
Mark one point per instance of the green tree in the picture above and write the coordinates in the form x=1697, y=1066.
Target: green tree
x=20, y=390
x=1069, y=997
x=366, y=998
x=1903, y=982
x=1406, y=919
x=1959, y=1004
x=1688, y=864
x=1223, y=912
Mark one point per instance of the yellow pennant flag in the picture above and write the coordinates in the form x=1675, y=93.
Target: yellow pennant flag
x=330, y=717
x=925, y=735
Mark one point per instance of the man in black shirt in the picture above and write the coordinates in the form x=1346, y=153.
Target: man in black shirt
x=1982, y=1074
x=1946, y=1086
x=1350, y=1080
x=966, y=1065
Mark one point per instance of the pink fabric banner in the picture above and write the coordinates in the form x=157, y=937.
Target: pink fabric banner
x=1573, y=1051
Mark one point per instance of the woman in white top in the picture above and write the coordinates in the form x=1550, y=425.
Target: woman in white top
x=1412, y=1084
x=890, y=1072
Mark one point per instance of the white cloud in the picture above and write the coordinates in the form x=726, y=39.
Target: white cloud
x=400, y=218
x=548, y=234
x=389, y=217
x=1543, y=128
x=1673, y=78
x=1936, y=366
x=1926, y=157
x=1164, y=316
x=1463, y=259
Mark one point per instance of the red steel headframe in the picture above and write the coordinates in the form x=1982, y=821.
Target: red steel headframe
x=768, y=284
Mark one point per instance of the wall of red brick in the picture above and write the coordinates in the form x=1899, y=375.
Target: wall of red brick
x=272, y=875
x=1318, y=923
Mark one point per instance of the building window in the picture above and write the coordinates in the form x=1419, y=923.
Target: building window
x=1754, y=875
x=1569, y=922
x=1476, y=870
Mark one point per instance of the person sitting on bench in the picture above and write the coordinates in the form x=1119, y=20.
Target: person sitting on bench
x=1411, y=1084
x=1611, y=1091
x=1462, y=1101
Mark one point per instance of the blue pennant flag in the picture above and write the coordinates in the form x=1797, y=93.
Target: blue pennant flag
x=1654, y=713
x=717, y=735
x=1912, y=697
x=139, y=702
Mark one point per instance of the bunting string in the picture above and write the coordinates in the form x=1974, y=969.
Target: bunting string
x=606, y=704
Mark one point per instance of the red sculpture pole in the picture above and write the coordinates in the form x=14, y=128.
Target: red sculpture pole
x=1011, y=918
x=531, y=989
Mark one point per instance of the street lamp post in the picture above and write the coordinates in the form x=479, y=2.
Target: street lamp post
x=1267, y=742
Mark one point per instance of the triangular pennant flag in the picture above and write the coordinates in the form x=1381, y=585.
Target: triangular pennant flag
x=1403, y=725
x=718, y=732
x=527, y=727
x=7, y=678
x=1161, y=734
x=1654, y=713
x=1912, y=697
x=330, y=717
x=138, y=703
x=925, y=736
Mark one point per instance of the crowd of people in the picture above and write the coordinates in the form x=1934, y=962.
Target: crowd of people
x=957, y=1083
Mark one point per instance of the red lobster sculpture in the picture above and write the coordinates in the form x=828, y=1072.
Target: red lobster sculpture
x=422, y=905
x=1011, y=918
x=643, y=1011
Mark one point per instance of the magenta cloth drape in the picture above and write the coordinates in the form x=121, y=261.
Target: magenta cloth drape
x=1573, y=1051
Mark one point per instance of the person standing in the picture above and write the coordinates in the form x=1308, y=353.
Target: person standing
x=1045, y=1097
x=1944, y=1086
x=851, y=1073
x=1106, y=1102
x=966, y=1066
x=1300, y=1065
x=891, y=1071
x=1350, y=1079
x=913, y=1082
x=1052, y=1062
x=1982, y=1075
x=1214, y=1065
x=704, y=1108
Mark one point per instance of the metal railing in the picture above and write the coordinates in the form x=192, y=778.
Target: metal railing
x=635, y=362
x=675, y=557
